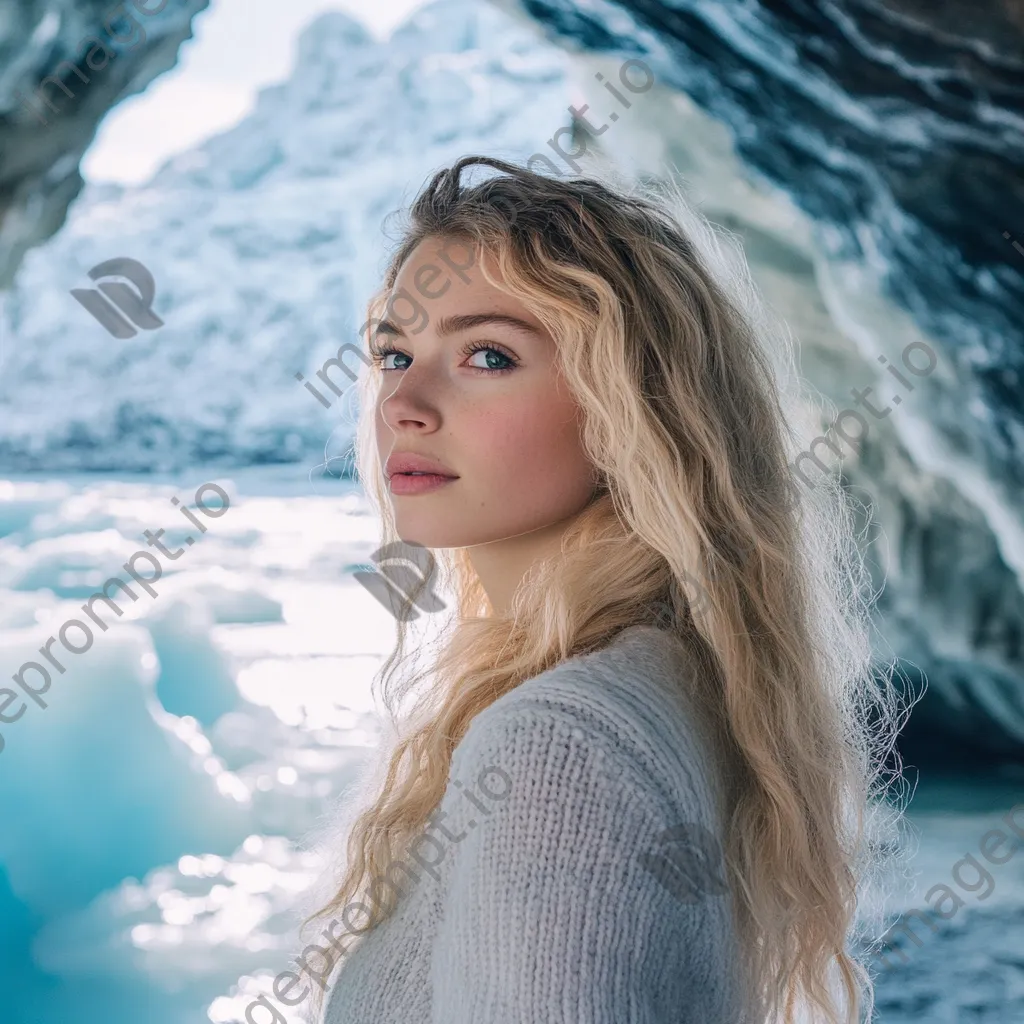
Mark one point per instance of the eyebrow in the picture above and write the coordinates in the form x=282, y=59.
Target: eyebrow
x=463, y=322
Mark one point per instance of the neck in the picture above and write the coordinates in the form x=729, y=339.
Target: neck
x=502, y=564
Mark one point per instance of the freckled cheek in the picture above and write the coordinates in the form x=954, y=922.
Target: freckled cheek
x=519, y=443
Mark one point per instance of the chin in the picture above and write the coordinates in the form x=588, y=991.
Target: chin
x=443, y=533
x=428, y=538
x=444, y=530
x=437, y=537
x=429, y=531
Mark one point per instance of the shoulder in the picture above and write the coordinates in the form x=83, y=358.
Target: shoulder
x=622, y=708
x=586, y=877
x=593, y=840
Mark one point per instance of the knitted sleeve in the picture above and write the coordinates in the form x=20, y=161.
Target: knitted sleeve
x=580, y=894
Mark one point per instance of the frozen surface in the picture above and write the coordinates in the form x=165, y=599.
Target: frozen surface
x=153, y=812
x=157, y=813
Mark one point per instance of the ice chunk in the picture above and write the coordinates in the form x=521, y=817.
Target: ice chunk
x=102, y=781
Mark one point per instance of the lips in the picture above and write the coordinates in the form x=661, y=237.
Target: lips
x=409, y=464
x=414, y=483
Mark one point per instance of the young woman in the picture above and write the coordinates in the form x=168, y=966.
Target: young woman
x=641, y=785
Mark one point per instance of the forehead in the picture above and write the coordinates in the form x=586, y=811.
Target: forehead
x=439, y=266
x=441, y=281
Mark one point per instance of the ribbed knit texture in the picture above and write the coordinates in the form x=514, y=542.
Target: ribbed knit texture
x=557, y=903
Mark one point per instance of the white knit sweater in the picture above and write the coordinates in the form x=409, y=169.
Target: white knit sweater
x=559, y=895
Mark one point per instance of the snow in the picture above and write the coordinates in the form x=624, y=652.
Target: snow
x=265, y=243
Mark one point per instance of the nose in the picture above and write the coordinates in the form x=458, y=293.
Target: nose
x=413, y=402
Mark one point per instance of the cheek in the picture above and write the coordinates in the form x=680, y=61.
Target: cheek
x=529, y=443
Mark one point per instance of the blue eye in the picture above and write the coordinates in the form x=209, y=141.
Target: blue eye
x=496, y=354
x=509, y=362
x=380, y=354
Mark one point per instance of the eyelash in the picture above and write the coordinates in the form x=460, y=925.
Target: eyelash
x=380, y=354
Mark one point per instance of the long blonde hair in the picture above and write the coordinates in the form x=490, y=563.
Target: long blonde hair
x=698, y=527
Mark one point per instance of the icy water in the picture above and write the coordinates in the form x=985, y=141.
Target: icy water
x=152, y=814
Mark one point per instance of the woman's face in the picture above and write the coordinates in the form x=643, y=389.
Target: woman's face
x=480, y=400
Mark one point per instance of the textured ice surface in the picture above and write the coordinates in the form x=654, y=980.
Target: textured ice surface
x=264, y=243
x=150, y=812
